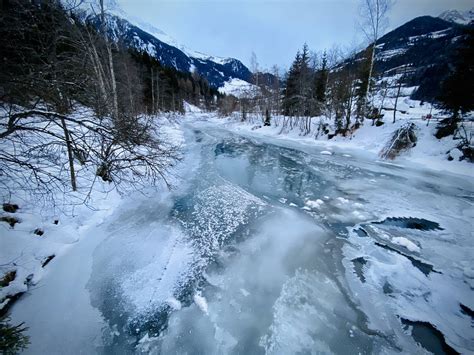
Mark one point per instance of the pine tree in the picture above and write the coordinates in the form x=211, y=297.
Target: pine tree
x=458, y=89
x=290, y=99
x=320, y=85
x=363, y=85
x=297, y=92
x=304, y=83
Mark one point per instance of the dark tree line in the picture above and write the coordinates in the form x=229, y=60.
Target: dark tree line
x=166, y=88
x=457, y=90
x=457, y=96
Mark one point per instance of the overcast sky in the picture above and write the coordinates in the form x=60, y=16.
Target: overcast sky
x=273, y=29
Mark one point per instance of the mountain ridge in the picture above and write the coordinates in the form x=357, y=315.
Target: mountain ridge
x=456, y=16
x=143, y=37
x=424, y=46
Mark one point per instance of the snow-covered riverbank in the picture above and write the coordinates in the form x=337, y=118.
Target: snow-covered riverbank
x=48, y=228
x=369, y=140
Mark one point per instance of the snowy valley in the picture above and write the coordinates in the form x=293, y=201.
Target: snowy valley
x=162, y=201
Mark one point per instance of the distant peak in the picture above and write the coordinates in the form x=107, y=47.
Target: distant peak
x=456, y=16
x=112, y=7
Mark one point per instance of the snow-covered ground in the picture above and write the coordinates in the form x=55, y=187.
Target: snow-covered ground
x=239, y=88
x=50, y=225
x=270, y=242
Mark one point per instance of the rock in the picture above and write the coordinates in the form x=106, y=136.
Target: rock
x=10, y=208
x=446, y=127
x=402, y=139
x=10, y=220
x=455, y=154
x=47, y=260
x=468, y=153
x=7, y=278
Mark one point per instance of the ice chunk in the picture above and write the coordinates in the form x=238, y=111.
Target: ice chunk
x=201, y=302
x=342, y=200
x=174, y=303
x=406, y=243
x=315, y=204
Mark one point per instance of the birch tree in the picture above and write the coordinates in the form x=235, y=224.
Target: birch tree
x=374, y=21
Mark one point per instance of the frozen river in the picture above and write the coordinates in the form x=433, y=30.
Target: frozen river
x=269, y=247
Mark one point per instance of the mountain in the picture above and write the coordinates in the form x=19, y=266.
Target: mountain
x=425, y=45
x=460, y=17
x=133, y=33
x=216, y=70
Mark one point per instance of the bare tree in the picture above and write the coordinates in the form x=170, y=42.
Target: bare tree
x=276, y=100
x=254, y=67
x=374, y=21
x=110, y=60
x=399, y=88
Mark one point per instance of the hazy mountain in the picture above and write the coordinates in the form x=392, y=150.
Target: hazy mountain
x=460, y=17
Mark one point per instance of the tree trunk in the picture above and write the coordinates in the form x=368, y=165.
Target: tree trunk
x=396, y=101
x=98, y=70
x=113, y=82
x=152, y=93
x=398, y=93
x=371, y=69
x=158, y=91
x=70, y=154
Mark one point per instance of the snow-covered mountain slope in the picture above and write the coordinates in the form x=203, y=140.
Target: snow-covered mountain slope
x=461, y=17
x=239, y=88
x=134, y=33
x=424, y=46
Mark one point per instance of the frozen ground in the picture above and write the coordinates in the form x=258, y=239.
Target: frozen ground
x=268, y=245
